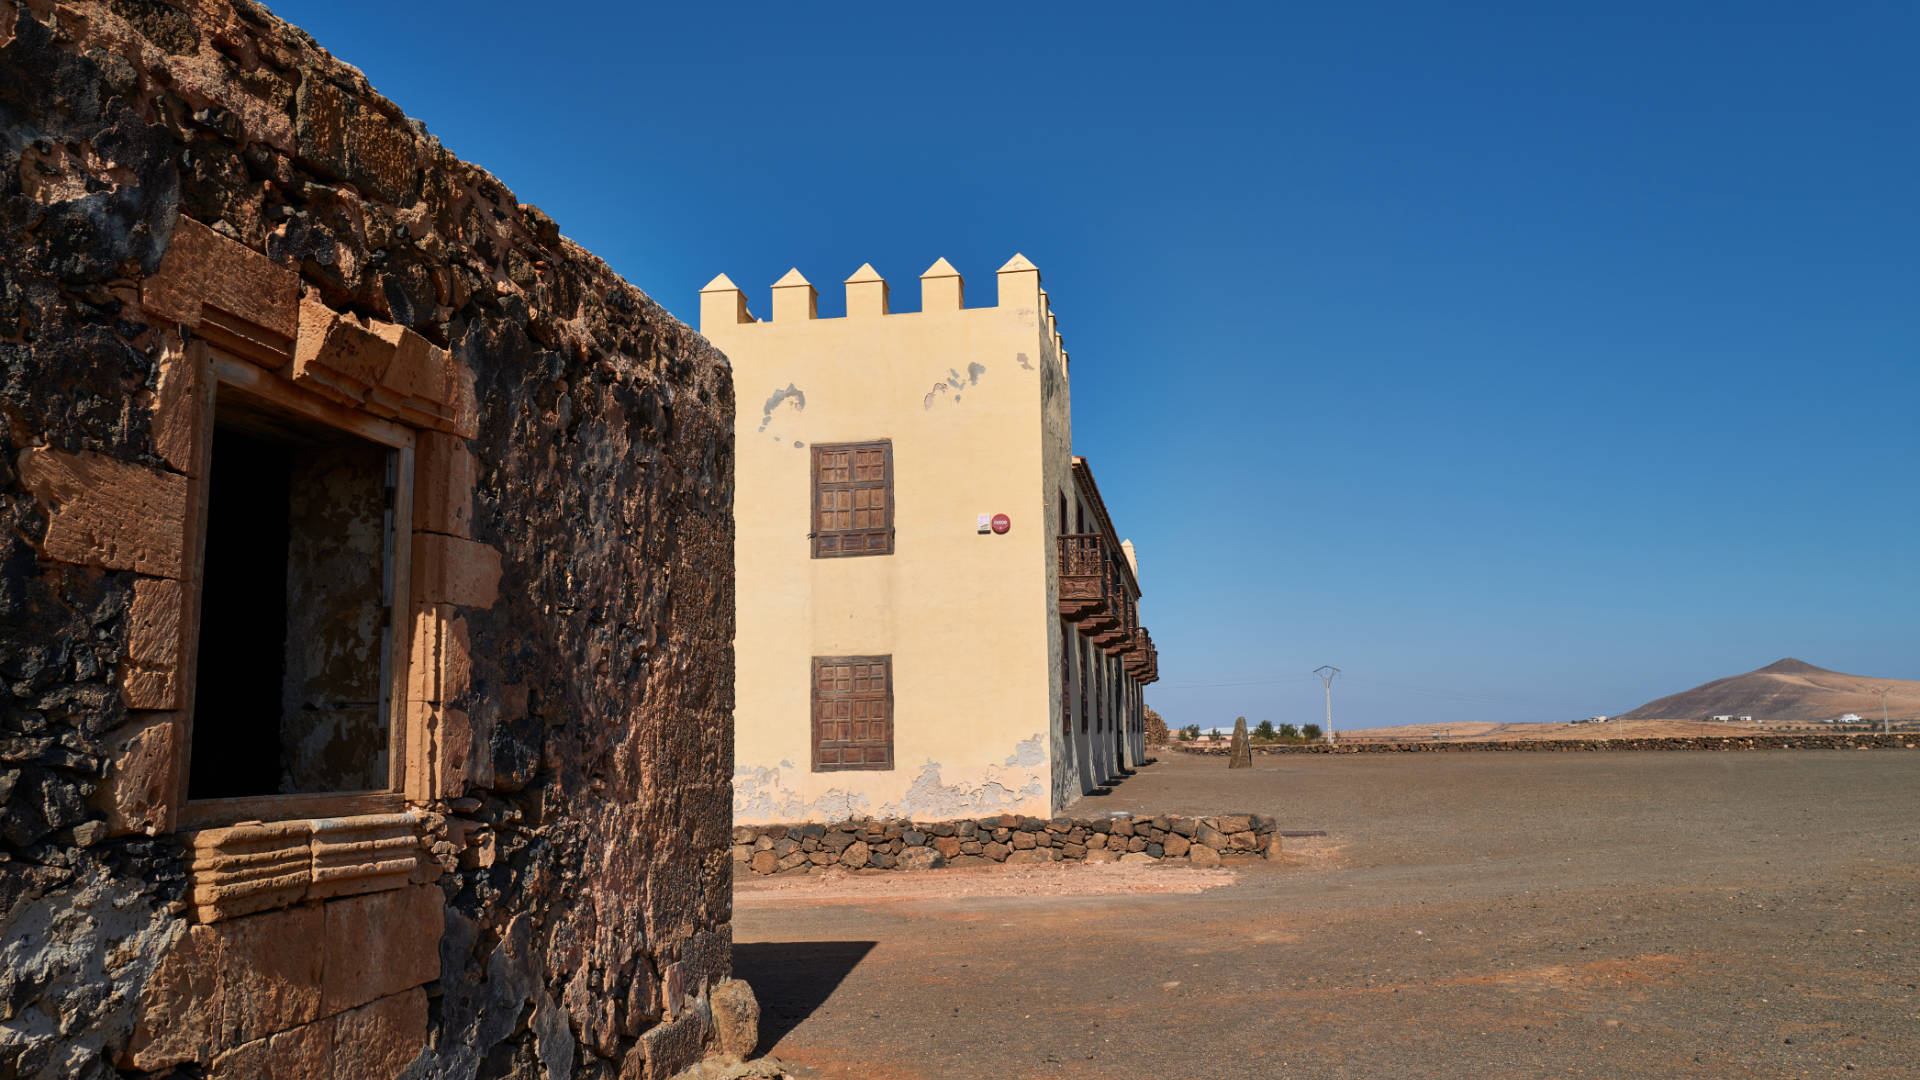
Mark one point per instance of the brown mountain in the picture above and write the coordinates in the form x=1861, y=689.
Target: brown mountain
x=1788, y=692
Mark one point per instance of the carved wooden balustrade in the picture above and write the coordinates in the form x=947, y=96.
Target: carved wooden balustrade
x=1084, y=580
x=1126, y=616
x=1134, y=658
x=1143, y=662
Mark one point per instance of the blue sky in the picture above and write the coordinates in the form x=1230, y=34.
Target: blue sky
x=1524, y=365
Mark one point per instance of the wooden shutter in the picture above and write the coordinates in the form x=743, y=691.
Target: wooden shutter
x=852, y=712
x=852, y=499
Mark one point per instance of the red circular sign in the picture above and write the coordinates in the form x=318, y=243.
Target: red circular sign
x=1001, y=523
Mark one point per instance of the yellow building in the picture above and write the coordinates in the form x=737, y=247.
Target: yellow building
x=937, y=618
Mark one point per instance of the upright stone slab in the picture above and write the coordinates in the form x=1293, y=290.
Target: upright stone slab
x=1240, y=754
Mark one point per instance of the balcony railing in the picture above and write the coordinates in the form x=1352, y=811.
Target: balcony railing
x=1118, y=638
x=1084, y=579
x=1115, y=638
x=1143, y=660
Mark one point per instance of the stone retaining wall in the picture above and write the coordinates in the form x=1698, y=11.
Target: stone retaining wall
x=1897, y=741
x=1008, y=838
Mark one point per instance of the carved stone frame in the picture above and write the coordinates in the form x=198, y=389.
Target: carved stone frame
x=223, y=314
x=218, y=368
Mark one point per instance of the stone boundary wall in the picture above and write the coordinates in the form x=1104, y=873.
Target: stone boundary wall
x=1898, y=741
x=1007, y=838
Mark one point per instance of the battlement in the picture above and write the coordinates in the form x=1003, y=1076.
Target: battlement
x=794, y=299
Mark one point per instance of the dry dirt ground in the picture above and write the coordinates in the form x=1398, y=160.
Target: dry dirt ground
x=1635, y=729
x=1472, y=915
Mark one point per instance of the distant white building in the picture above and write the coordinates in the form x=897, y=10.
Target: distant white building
x=1733, y=719
x=1850, y=718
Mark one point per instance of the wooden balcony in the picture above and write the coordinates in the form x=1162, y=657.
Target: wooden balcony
x=1143, y=660
x=1121, y=639
x=1118, y=638
x=1085, y=582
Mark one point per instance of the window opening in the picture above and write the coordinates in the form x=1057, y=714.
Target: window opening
x=1081, y=650
x=293, y=684
x=852, y=499
x=1066, y=674
x=1104, y=691
x=852, y=712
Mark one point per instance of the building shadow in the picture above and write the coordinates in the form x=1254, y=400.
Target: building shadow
x=791, y=979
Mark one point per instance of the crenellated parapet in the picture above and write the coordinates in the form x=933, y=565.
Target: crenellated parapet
x=723, y=306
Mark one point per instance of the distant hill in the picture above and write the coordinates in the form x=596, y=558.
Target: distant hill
x=1788, y=692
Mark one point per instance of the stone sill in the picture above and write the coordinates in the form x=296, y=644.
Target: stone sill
x=255, y=809
x=241, y=869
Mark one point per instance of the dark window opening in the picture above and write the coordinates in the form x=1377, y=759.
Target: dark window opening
x=1066, y=673
x=292, y=684
x=1081, y=649
x=1104, y=695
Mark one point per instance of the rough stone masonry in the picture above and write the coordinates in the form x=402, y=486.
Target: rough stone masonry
x=874, y=844
x=195, y=191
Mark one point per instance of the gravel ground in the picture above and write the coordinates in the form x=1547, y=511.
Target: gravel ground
x=1471, y=915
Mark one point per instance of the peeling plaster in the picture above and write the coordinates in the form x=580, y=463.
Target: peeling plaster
x=954, y=381
x=792, y=394
x=1030, y=752
x=759, y=794
x=71, y=970
x=929, y=799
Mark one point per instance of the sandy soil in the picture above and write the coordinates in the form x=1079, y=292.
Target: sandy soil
x=1474, y=915
x=1636, y=729
x=1058, y=879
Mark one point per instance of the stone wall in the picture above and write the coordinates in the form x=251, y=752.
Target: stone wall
x=1907, y=741
x=870, y=844
x=547, y=892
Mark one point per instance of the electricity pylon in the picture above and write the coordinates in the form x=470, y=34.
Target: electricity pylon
x=1326, y=673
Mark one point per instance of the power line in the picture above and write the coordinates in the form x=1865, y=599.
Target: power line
x=1248, y=682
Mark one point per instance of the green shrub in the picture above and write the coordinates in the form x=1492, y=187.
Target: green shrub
x=1289, y=731
x=1312, y=732
x=1265, y=730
